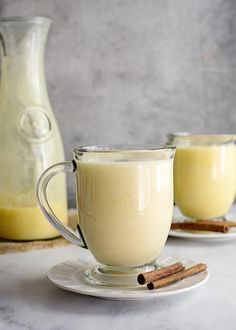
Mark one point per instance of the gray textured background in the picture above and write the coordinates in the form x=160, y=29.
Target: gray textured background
x=133, y=70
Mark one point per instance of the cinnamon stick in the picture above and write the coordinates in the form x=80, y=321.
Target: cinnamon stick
x=222, y=228
x=218, y=222
x=160, y=273
x=176, y=277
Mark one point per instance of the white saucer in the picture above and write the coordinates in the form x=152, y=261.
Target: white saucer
x=69, y=276
x=180, y=233
x=201, y=235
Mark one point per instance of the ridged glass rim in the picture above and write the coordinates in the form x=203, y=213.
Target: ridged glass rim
x=204, y=140
x=35, y=19
x=121, y=149
x=177, y=134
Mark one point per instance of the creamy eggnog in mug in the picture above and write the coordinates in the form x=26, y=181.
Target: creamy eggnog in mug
x=125, y=209
x=204, y=175
x=125, y=204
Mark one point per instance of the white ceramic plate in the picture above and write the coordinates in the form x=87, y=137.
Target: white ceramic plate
x=201, y=235
x=69, y=276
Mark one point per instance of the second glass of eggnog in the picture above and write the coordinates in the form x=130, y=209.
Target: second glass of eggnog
x=204, y=175
x=125, y=204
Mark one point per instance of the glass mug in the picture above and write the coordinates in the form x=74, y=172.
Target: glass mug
x=125, y=205
x=171, y=136
x=204, y=175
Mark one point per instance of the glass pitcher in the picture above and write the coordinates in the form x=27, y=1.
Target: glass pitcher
x=29, y=136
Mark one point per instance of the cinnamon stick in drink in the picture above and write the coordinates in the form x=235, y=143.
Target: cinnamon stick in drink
x=176, y=277
x=222, y=228
x=160, y=273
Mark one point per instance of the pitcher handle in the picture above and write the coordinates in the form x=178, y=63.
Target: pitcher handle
x=42, y=184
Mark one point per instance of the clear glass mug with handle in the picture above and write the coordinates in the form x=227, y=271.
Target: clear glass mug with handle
x=125, y=204
x=204, y=175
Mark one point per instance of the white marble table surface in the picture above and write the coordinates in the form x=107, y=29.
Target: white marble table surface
x=29, y=301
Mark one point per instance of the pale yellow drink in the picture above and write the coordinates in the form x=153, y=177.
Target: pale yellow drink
x=30, y=139
x=24, y=223
x=125, y=209
x=204, y=180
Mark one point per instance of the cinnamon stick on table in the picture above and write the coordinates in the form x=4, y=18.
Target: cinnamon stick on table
x=222, y=228
x=218, y=222
x=160, y=273
x=176, y=277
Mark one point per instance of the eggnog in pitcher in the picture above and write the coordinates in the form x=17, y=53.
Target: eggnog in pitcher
x=29, y=135
x=22, y=223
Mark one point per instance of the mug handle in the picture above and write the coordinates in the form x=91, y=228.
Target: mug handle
x=41, y=191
